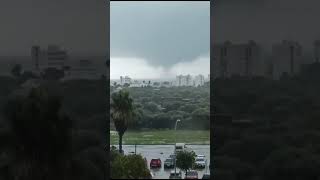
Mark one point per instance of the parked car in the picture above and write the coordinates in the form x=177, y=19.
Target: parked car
x=172, y=156
x=201, y=156
x=200, y=162
x=177, y=175
x=192, y=174
x=169, y=163
x=155, y=163
x=206, y=176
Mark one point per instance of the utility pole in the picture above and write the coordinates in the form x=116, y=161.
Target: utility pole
x=175, y=152
x=135, y=148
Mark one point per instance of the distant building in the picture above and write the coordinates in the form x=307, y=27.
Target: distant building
x=189, y=80
x=127, y=80
x=286, y=58
x=166, y=84
x=179, y=80
x=56, y=57
x=84, y=69
x=124, y=80
x=136, y=84
x=199, y=80
x=121, y=80
x=35, y=55
x=182, y=80
x=237, y=59
x=156, y=84
x=317, y=50
x=53, y=57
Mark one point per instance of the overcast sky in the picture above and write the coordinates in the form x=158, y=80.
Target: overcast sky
x=266, y=21
x=159, y=39
x=78, y=25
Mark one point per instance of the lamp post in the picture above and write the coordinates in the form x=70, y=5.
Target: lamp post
x=175, y=142
x=206, y=166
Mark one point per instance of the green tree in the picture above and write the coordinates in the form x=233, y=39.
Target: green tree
x=16, y=70
x=185, y=160
x=129, y=167
x=201, y=116
x=152, y=107
x=122, y=111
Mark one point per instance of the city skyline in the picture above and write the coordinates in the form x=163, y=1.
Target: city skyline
x=250, y=59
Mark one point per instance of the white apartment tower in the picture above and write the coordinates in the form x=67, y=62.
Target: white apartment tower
x=286, y=58
x=53, y=57
x=237, y=59
x=199, y=80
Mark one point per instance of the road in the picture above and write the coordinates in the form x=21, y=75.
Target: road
x=162, y=152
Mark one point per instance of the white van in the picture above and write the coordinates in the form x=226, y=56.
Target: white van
x=180, y=147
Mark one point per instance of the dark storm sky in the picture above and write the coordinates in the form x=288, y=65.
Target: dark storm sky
x=164, y=33
x=77, y=25
x=266, y=21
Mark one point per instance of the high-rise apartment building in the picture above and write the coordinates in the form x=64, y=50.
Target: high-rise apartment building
x=53, y=57
x=237, y=59
x=286, y=58
x=199, y=80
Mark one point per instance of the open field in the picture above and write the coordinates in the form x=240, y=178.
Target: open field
x=162, y=137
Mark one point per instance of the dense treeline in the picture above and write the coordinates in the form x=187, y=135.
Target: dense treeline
x=53, y=130
x=159, y=108
x=280, y=140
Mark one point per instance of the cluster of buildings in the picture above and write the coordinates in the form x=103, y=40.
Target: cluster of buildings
x=188, y=80
x=249, y=59
x=126, y=80
x=181, y=80
x=54, y=57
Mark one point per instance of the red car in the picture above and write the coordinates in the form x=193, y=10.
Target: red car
x=155, y=163
x=191, y=175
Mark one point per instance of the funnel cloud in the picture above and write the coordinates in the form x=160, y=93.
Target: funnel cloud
x=159, y=39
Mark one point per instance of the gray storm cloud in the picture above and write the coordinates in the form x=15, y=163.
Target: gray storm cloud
x=161, y=33
x=266, y=21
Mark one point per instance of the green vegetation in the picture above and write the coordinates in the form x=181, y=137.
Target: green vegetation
x=186, y=160
x=280, y=140
x=159, y=108
x=55, y=131
x=127, y=166
x=163, y=137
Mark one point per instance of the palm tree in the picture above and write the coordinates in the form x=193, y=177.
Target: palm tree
x=122, y=111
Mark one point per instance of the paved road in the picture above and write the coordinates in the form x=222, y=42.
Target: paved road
x=162, y=152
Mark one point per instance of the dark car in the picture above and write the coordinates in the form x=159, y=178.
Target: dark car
x=155, y=163
x=175, y=175
x=200, y=162
x=169, y=163
x=172, y=156
x=206, y=176
x=192, y=175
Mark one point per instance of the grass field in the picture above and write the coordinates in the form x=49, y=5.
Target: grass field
x=162, y=137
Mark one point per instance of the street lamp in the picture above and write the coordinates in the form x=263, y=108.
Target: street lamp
x=175, y=142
